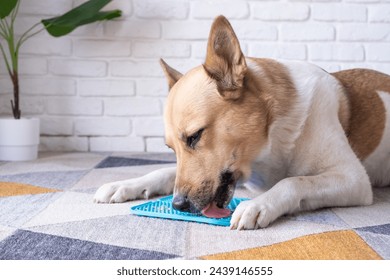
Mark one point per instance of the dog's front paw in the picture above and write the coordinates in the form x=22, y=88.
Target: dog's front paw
x=252, y=214
x=118, y=192
x=109, y=193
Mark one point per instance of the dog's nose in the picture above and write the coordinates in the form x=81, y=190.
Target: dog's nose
x=181, y=203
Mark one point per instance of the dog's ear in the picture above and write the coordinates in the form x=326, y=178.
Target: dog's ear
x=225, y=62
x=171, y=74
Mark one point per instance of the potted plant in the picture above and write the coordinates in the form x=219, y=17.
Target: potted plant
x=19, y=137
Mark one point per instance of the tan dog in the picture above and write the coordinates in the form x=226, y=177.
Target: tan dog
x=314, y=139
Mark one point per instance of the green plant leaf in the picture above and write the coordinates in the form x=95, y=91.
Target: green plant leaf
x=86, y=13
x=6, y=7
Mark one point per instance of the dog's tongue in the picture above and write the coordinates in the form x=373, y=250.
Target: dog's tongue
x=213, y=211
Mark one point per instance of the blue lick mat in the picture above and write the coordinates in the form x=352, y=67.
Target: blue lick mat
x=162, y=208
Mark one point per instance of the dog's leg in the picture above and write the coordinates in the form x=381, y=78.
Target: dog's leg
x=293, y=194
x=157, y=182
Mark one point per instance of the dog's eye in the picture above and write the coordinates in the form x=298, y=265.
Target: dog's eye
x=194, y=138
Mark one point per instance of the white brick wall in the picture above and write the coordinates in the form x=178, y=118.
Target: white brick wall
x=101, y=88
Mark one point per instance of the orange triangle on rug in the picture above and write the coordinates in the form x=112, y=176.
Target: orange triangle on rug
x=335, y=245
x=12, y=189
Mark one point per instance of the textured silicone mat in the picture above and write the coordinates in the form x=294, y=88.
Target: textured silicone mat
x=162, y=208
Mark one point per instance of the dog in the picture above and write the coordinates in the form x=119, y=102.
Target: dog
x=312, y=139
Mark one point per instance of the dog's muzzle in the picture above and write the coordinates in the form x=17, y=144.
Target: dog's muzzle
x=214, y=206
x=182, y=203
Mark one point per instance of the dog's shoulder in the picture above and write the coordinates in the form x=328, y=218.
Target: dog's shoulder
x=293, y=91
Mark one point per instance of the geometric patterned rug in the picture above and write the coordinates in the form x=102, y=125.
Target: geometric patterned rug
x=47, y=213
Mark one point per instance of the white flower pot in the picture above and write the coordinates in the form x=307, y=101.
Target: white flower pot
x=19, y=139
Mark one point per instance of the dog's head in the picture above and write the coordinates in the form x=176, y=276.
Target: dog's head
x=214, y=123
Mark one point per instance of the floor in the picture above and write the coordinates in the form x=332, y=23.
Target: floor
x=47, y=212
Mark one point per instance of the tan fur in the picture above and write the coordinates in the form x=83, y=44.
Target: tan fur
x=367, y=112
x=172, y=75
x=275, y=88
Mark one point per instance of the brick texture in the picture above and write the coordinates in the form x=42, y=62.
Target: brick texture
x=101, y=88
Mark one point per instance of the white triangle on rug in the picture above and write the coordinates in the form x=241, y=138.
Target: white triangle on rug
x=74, y=206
